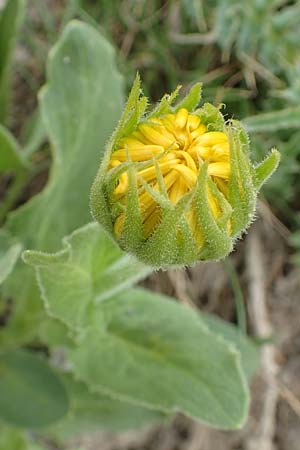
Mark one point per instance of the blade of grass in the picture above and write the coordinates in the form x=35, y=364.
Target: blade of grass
x=237, y=295
x=10, y=19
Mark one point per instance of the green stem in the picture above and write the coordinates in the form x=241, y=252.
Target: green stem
x=238, y=296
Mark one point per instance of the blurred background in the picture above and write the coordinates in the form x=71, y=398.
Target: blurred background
x=247, y=54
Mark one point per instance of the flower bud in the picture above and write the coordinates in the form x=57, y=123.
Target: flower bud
x=176, y=185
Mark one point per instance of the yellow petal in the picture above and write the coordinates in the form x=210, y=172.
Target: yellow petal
x=119, y=224
x=212, y=138
x=213, y=204
x=188, y=159
x=169, y=122
x=181, y=118
x=150, y=173
x=152, y=221
x=222, y=185
x=146, y=200
x=130, y=143
x=141, y=153
x=189, y=176
x=177, y=191
x=140, y=137
x=220, y=152
x=123, y=184
x=161, y=128
x=199, y=131
x=193, y=122
x=153, y=135
x=219, y=169
x=191, y=216
x=200, y=151
x=170, y=179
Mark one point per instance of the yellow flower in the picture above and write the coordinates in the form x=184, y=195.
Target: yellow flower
x=171, y=148
x=176, y=185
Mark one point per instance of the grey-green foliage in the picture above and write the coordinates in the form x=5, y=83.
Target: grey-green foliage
x=10, y=18
x=257, y=28
x=17, y=439
x=71, y=116
x=123, y=344
x=11, y=158
x=150, y=350
x=283, y=119
x=31, y=395
x=13, y=163
x=283, y=128
x=90, y=411
x=33, y=133
x=88, y=270
x=138, y=346
x=80, y=105
x=249, y=352
x=12, y=439
x=10, y=250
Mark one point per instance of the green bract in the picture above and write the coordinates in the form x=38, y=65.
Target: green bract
x=202, y=224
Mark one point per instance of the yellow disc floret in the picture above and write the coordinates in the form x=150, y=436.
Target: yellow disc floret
x=171, y=148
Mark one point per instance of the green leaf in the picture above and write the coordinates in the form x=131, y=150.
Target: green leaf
x=273, y=121
x=147, y=349
x=217, y=242
x=13, y=162
x=11, y=159
x=192, y=99
x=33, y=133
x=9, y=23
x=12, y=439
x=165, y=104
x=10, y=250
x=247, y=348
x=27, y=313
x=133, y=110
x=82, y=92
x=54, y=333
x=264, y=170
x=91, y=411
x=80, y=105
x=31, y=395
x=15, y=439
x=89, y=269
x=242, y=194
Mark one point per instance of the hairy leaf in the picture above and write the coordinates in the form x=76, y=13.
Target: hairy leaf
x=89, y=269
x=265, y=169
x=91, y=411
x=80, y=106
x=82, y=92
x=249, y=351
x=31, y=395
x=145, y=348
